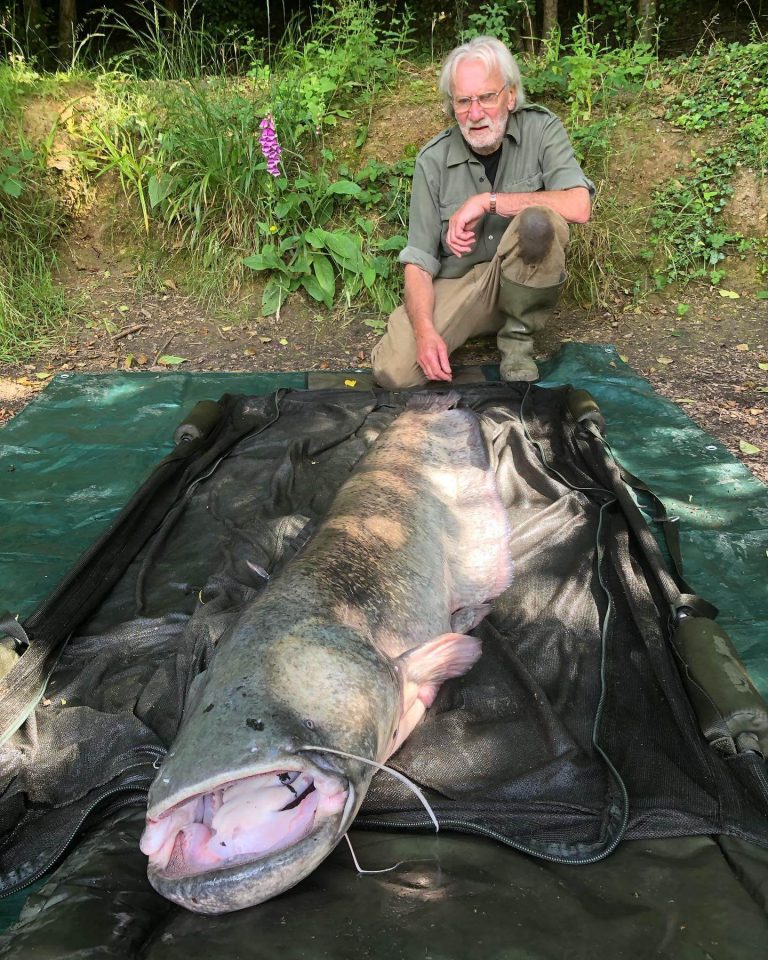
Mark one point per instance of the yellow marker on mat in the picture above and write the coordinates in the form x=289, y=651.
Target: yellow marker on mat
x=350, y=383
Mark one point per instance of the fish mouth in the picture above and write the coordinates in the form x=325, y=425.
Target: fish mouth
x=239, y=826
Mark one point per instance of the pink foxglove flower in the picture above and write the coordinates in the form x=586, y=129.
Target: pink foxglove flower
x=270, y=145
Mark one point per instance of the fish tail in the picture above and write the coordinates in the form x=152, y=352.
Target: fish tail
x=433, y=401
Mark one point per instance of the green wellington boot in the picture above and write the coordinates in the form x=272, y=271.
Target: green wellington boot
x=527, y=310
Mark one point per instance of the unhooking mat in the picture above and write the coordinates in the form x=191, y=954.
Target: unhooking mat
x=443, y=872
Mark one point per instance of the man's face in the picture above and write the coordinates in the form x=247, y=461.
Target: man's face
x=482, y=127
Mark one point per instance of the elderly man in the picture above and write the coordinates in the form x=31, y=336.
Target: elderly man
x=488, y=230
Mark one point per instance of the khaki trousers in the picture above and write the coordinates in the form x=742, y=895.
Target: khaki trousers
x=468, y=306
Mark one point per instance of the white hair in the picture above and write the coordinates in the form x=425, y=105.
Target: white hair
x=490, y=51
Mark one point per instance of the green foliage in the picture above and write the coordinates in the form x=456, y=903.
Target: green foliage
x=588, y=74
x=177, y=116
x=164, y=47
x=189, y=153
x=726, y=90
x=686, y=221
x=307, y=252
x=507, y=20
x=343, y=60
x=31, y=307
x=594, y=81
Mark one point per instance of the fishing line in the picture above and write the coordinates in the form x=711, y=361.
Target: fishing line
x=380, y=766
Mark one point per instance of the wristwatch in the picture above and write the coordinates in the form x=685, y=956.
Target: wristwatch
x=492, y=207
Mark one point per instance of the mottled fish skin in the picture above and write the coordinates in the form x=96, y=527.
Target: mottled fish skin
x=345, y=649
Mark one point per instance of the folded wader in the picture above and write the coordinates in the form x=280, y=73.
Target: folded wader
x=531, y=279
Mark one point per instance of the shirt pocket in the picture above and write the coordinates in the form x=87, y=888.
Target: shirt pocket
x=527, y=185
x=449, y=206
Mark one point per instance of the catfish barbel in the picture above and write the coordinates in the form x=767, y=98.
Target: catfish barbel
x=344, y=650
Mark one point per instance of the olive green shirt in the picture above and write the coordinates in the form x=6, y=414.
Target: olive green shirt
x=536, y=154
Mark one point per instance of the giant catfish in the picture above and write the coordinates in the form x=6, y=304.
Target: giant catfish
x=343, y=651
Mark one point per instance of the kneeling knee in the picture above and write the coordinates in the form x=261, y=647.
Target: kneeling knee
x=536, y=232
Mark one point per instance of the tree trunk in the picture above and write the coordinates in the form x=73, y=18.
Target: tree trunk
x=33, y=14
x=549, y=18
x=646, y=17
x=530, y=33
x=67, y=24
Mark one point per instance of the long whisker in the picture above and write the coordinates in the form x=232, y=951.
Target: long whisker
x=384, y=869
x=380, y=766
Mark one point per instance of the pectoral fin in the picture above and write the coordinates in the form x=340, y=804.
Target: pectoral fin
x=425, y=668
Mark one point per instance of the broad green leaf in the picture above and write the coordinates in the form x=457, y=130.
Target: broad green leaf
x=730, y=294
x=761, y=295
x=170, y=361
x=347, y=187
x=315, y=291
x=12, y=187
x=257, y=261
x=393, y=243
x=272, y=298
x=325, y=276
x=748, y=448
x=290, y=202
x=288, y=243
x=268, y=259
x=159, y=187
x=315, y=238
x=342, y=244
x=301, y=263
x=369, y=275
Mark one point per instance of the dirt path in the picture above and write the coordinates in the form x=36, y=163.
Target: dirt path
x=707, y=361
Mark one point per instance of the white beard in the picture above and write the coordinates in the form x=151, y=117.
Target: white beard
x=487, y=134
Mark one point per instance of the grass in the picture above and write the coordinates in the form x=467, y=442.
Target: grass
x=32, y=307
x=182, y=134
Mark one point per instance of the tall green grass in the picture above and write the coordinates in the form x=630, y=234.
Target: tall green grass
x=32, y=307
x=187, y=150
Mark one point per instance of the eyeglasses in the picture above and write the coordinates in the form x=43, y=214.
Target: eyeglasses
x=486, y=101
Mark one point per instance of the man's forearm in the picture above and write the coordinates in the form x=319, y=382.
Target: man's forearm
x=574, y=205
x=419, y=298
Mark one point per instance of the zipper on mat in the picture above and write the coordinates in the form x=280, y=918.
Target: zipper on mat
x=124, y=787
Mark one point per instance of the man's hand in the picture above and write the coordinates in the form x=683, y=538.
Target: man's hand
x=432, y=356
x=461, y=227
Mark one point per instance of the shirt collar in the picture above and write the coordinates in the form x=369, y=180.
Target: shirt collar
x=458, y=151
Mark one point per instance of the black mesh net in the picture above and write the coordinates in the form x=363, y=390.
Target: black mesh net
x=572, y=730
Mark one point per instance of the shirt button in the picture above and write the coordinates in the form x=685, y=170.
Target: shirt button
x=482, y=179
x=490, y=236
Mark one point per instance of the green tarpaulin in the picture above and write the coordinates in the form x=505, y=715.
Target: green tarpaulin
x=75, y=455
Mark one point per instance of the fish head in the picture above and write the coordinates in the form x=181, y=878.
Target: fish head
x=253, y=793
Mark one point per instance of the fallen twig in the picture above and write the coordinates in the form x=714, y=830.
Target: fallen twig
x=163, y=349
x=127, y=331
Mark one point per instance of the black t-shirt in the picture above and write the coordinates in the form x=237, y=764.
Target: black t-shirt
x=491, y=163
